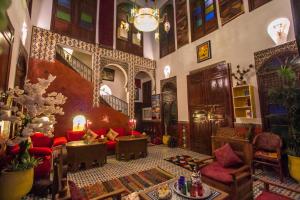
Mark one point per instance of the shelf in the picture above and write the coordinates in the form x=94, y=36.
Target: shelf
x=243, y=107
x=239, y=97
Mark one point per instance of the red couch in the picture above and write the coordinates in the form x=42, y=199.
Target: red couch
x=77, y=135
x=42, y=147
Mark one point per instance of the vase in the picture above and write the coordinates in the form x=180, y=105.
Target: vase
x=294, y=166
x=15, y=184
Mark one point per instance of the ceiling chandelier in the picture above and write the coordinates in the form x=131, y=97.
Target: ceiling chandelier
x=147, y=19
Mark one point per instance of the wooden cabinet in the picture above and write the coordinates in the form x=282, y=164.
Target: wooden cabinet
x=243, y=101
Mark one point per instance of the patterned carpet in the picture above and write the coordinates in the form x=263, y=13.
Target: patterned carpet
x=115, y=169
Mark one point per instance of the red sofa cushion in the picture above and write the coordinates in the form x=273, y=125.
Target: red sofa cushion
x=101, y=131
x=226, y=156
x=111, y=145
x=74, y=135
x=59, y=141
x=40, y=151
x=265, y=195
x=121, y=131
x=135, y=133
x=40, y=140
x=217, y=172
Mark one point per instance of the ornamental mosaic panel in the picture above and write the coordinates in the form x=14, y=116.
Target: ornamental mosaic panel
x=43, y=48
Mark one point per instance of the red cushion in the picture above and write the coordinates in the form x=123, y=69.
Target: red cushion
x=74, y=135
x=13, y=150
x=101, y=131
x=135, y=133
x=121, y=131
x=217, y=172
x=59, y=141
x=76, y=193
x=40, y=140
x=40, y=151
x=265, y=195
x=111, y=145
x=226, y=156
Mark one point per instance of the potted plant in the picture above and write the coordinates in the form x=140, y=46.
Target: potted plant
x=35, y=111
x=288, y=96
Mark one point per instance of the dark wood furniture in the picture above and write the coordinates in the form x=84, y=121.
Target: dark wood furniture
x=182, y=27
x=80, y=152
x=209, y=90
x=267, y=151
x=267, y=194
x=253, y=4
x=241, y=186
x=106, y=27
x=143, y=194
x=129, y=147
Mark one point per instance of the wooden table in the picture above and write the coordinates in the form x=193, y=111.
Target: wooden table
x=80, y=152
x=144, y=195
x=129, y=147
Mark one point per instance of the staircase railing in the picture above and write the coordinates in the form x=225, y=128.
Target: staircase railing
x=115, y=102
x=84, y=70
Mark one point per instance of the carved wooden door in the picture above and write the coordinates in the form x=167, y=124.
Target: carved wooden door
x=209, y=93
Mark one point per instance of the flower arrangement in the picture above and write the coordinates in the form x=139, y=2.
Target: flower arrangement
x=36, y=115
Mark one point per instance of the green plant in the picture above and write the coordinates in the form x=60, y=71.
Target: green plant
x=288, y=96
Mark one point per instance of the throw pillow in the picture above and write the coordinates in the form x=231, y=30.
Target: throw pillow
x=226, y=156
x=75, y=192
x=111, y=135
x=90, y=136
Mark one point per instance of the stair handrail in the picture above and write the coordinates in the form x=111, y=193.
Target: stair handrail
x=115, y=102
x=83, y=69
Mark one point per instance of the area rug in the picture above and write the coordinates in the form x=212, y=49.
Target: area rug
x=184, y=161
x=132, y=183
x=187, y=162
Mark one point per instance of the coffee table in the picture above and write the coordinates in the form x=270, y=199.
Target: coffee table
x=129, y=147
x=80, y=152
x=151, y=193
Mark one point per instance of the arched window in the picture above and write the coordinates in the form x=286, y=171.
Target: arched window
x=79, y=123
x=105, y=90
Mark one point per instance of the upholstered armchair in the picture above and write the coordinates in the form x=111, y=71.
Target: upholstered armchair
x=267, y=151
x=229, y=169
x=42, y=147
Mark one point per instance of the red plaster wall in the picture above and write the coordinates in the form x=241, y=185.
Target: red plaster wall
x=80, y=97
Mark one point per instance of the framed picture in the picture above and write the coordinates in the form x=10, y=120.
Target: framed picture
x=230, y=9
x=155, y=107
x=203, y=52
x=147, y=114
x=108, y=74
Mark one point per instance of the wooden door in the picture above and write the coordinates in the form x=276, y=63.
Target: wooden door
x=209, y=92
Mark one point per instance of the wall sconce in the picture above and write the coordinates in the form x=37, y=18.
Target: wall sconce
x=279, y=30
x=167, y=71
x=79, y=123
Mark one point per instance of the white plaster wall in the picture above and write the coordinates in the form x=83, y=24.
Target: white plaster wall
x=42, y=13
x=234, y=43
x=18, y=14
x=117, y=86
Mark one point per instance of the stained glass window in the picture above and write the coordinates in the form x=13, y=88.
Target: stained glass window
x=63, y=15
x=86, y=20
x=203, y=18
x=64, y=3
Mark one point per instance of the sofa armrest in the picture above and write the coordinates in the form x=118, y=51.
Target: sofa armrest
x=241, y=173
x=241, y=169
x=59, y=141
x=40, y=151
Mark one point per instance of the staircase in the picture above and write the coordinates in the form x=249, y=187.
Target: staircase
x=114, y=102
x=87, y=73
x=71, y=61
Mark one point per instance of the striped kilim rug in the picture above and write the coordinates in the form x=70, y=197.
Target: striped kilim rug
x=132, y=183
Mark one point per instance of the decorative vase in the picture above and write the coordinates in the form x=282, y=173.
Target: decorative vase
x=294, y=166
x=15, y=185
x=166, y=139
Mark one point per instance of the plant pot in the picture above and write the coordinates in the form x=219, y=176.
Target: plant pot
x=294, y=166
x=166, y=139
x=15, y=185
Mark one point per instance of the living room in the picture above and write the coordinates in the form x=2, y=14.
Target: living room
x=149, y=99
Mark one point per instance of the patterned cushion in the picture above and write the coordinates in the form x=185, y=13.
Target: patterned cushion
x=266, y=155
x=111, y=135
x=91, y=134
x=76, y=193
x=226, y=156
x=265, y=195
x=217, y=172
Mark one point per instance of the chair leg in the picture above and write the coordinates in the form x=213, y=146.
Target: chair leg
x=281, y=172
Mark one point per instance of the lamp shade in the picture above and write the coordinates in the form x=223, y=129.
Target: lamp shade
x=146, y=20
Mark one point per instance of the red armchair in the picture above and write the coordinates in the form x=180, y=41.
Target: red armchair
x=42, y=147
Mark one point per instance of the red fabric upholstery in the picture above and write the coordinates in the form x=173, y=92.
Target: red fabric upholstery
x=13, y=150
x=74, y=135
x=43, y=170
x=111, y=145
x=226, y=156
x=59, y=141
x=101, y=131
x=121, y=131
x=217, y=172
x=135, y=133
x=40, y=151
x=40, y=140
x=265, y=195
